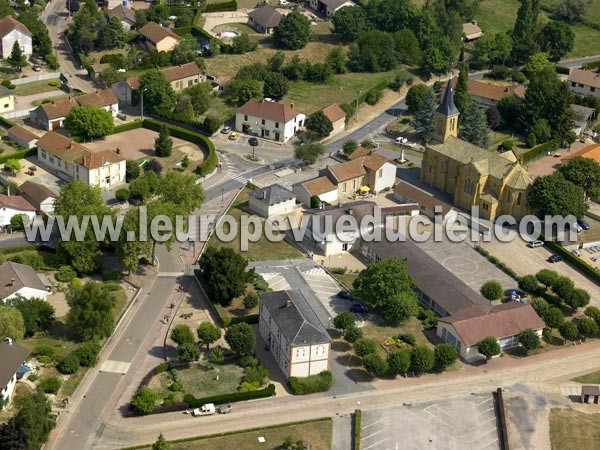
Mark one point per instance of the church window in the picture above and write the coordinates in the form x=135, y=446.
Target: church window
x=519, y=195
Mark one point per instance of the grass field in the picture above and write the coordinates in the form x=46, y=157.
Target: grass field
x=590, y=378
x=37, y=87
x=317, y=434
x=571, y=429
x=381, y=332
x=260, y=250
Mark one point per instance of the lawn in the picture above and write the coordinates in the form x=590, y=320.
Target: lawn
x=346, y=279
x=381, y=332
x=571, y=429
x=241, y=27
x=317, y=434
x=590, y=378
x=36, y=87
x=260, y=250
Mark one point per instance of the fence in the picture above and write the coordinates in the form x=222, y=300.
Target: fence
x=45, y=76
x=17, y=114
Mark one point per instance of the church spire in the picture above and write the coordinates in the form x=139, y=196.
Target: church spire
x=447, y=107
x=446, y=116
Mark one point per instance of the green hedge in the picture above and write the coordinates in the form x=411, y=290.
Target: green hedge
x=499, y=264
x=357, y=426
x=250, y=319
x=591, y=65
x=309, y=385
x=350, y=107
x=6, y=123
x=20, y=154
x=535, y=152
x=127, y=127
x=224, y=6
x=19, y=248
x=562, y=69
x=194, y=402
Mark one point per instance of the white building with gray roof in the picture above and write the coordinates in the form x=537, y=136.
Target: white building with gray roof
x=293, y=333
x=272, y=201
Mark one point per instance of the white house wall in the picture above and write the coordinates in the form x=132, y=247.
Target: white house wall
x=8, y=213
x=387, y=179
x=269, y=128
x=9, y=40
x=8, y=390
x=28, y=293
x=584, y=90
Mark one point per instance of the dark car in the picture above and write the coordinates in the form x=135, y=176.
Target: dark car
x=253, y=142
x=359, y=308
x=555, y=258
x=345, y=295
x=583, y=224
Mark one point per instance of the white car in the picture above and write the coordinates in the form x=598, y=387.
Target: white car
x=400, y=140
x=283, y=2
x=536, y=243
x=121, y=70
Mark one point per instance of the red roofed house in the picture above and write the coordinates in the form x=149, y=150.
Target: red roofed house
x=591, y=152
x=22, y=136
x=12, y=205
x=337, y=116
x=271, y=120
x=11, y=31
x=72, y=161
x=158, y=37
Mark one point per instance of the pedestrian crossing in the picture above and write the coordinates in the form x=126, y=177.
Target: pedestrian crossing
x=269, y=276
x=233, y=172
x=316, y=271
x=276, y=281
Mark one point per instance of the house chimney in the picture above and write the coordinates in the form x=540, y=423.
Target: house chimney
x=8, y=341
x=288, y=303
x=12, y=282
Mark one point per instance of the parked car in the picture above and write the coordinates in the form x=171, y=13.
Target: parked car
x=578, y=228
x=36, y=68
x=359, y=308
x=536, y=243
x=555, y=258
x=345, y=295
x=583, y=224
x=576, y=252
x=233, y=136
x=226, y=129
x=205, y=410
x=253, y=142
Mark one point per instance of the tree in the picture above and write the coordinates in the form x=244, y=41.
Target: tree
x=161, y=443
x=243, y=44
x=555, y=196
x=90, y=315
x=38, y=314
x=422, y=358
x=407, y=46
x=511, y=111
x=587, y=326
x=18, y=222
x=319, y=124
x=132, y=170
x=400, y=308
x=163, y=144
x=558, y=39
x=293, y=32
x=182, y=333
x=573, y=10
x=529, y=283
x=223, y=273
x=541, y=131
x=89, y=121
x=349, y=146
x=34, y=419
x=563, y=287
x=491, y=290
x=398, y=361
x=250, y=300
x=188, y=352
x=568, y=331
x=87, y=353
x=540, y=305
x=336, y=59
x=185, y=51
x=375, y=365
x=529, y=339
x=241, y=339
x=344, y=321
x=200, y=97
x=181, y=190
x=577, y=298
x=50, y=385
x=462, y=98
x=364, y=347
x=353, y=334
x=349, y=23
x=524, y=31
x=424, y=116
x=11, y=436
x=474, y=127
x=489, y=347
x=553, y=317
x=208, y=333
x=373, y=51
x=11, y=323
x=444, y=355
x=547, y=277
x=385, y=280
x=583, y=172
x=159, y=97
x=309, y=152
x=242, y=90
x=17, y=58
x=493, y=48
x=69, y=364
x=144, y=400
x=13, y=166
x=415, y=96
x=275, y=86
x=594, y=313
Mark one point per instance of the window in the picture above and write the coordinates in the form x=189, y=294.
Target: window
x=573, y=84
x=300, y=353
x=380, y=173
x=43, y=154
x=246, y=117
x=276, y=124
x=485, y=206
x=262, y=121
x=267, y=133
x=51, y=159
x=343, y=187
x=580, y=85
x=519, y=195
x=592, y=89
x=6, y=105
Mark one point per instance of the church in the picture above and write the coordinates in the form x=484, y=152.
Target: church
x=495, y=182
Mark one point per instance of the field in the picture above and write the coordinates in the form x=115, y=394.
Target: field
x=571, y=429
x=381, y=333
x=590, y=378
x=37, y=87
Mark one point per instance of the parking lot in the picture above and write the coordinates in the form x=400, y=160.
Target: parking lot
x=465, y=423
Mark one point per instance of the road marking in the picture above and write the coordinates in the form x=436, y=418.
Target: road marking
x=373, y=423
x=115, y=366
x=376, y=443
x=170, y=274
x=316, y=271
x=374, y=433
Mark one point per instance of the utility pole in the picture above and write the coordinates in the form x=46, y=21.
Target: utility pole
x=142, y=103
x=356, y=109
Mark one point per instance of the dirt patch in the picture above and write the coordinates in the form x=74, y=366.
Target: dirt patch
x=527, y=419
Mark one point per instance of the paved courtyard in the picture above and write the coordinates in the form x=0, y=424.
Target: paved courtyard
x=465, y=423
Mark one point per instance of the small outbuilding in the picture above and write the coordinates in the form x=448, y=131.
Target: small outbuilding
x=590, y=394
x=22, y=136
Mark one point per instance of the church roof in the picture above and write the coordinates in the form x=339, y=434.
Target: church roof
x=447, y=107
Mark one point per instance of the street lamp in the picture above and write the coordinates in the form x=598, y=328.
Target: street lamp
x=142, y=103
x=253, y=143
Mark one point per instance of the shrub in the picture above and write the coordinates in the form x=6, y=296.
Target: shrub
x=69, y=364
x=256, y=374
x=553, y=317
x=344, y=321
x=339, y=270
x=44, y=350
x=491, y=290
x=568, y=331
x=547, y=277
x=375, y=364
x=309, y=385
x=587, y=326
x=593, y=312
x=111, y=276
x=217, y=356
x=489, y=347
x=45, y=359
x=163, y=367
x=373, y=96
x=247, y=387
x=248, y=361
x=32, y=377
x=50, y=385
x=540, y=305
x=188, y=352
x=364, y=347
x=577, y=298
x=250, y=300
x=144, y=400
x=444, y=355
x=353, y=334
x=112, y=287
x=87, y=353
x=429, y=318
x=408, y=338
x=399, y=361
x=421, y=358
x=528, y=283
x=122, y=195
x=193, y=402
x=182, y=333
x=529, y=339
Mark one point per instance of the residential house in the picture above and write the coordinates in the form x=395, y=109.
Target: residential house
x=582, y=117
x=585, y=82
x=591, y=151
x=95, y=70
x=337, y=116
x=264, y=19
x=489, y=94
x=320, y=187
x=271, y=120
x=51, y=116
x=496, y=183
x=293, y=333
x=7, y=100
x=465, y=316
x=22, y=136
x=471, y=31
x=156, y=37
x=12, y=205
x=328, y=8
x=41, y=197
x=20, y=280
x=272, y=200
x=125, y=15
x=70, y=160
x=428, y=204
x=180, y=77
x=11, y=31
x=13, y=356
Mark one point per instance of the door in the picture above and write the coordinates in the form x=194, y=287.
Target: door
x=55, y=125
x=276, y=136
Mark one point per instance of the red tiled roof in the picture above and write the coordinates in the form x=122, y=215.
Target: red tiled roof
x=591, y=151
x=62, y=108
x=275, y=111
x=171, y=74
x=15, y=202
x=156, y=33
x=8, y=24
x=334, y=113
x=68, y=150
x=22, y=133
x=319, y=185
